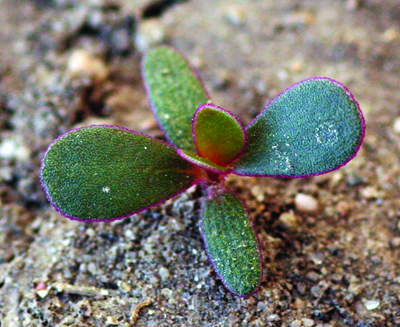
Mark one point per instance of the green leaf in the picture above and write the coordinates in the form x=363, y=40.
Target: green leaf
x=313, y=127
x=218, y=134
x=175, y=92
x=231, y=241
x=203, y=163
x=105, y=172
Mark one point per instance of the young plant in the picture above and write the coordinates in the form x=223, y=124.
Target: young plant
x=102, y=173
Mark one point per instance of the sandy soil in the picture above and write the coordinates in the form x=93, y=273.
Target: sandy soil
x=65, y=64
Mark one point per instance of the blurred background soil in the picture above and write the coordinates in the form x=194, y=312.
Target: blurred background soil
x=331, y=243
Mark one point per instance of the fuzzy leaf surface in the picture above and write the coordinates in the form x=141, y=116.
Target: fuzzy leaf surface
x=231, y=241
x=218, y=134
x=313, y=127
x=104, y=172
x=175, y=92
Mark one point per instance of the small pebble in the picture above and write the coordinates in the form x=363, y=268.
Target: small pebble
x=316, y=291
x=6, y=173
x=111, y=320
x=10, y=149
x=372, y=305
x=81, y=62
x=355, y=289
x=370, y=192
x=296, y=66
x=125, y=287
x=299, y=304
x=301, y=288
x=288, y=219
x=305, y=203
x=396, y=125
x=176, y=225
x=349, y=298
x=92, y=268
x=129, y=234
x=354, y=180
x=221, y=79
x=282, y=74
x=343, y=208
x=233, y=319
x=354, y=4
x=317, y=258
x=298, y=19
x=235, y=15
x=148, y=124
x=335, y=179
x=166, y=292
x=307, y=322
x=391, y=34
x=172, y=301
x=261, y=306
x=42, y=293
x=153, y=280
x=296, y=323
x=40, y=286
x=273, y=317
x=90, y=232
x=258, y=193
x=164, y=273
x=104, y=292
x=150, y=33
x=313, y=276
x=395, y=242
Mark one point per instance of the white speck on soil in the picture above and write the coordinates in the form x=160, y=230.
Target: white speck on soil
x=11, y=149
x=372, y=304
x=164, y=273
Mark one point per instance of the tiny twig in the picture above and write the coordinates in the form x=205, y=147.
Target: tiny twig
x=80, y=290
x=135, y=312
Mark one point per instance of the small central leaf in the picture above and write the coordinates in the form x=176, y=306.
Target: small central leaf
x=218, y=134
x=105, y=172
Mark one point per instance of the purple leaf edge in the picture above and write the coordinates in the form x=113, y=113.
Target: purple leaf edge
x=230, y=114
x=258, y=244
x=361, y=115
x=147, y=88
x=114, y=218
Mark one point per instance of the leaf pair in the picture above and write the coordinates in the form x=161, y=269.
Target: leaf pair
x=102, y=173
x=313, y=127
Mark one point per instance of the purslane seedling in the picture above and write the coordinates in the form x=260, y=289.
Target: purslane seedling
x=102, y=173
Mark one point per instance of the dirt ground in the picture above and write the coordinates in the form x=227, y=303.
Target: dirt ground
x=73, y=63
